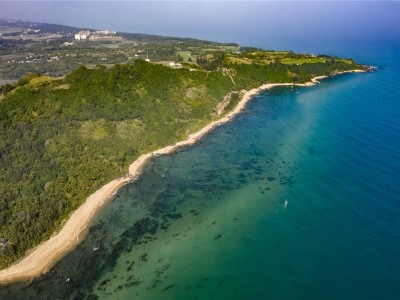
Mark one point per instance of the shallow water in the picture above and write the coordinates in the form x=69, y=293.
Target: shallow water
x=297, y=198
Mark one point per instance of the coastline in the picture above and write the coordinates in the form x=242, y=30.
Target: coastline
x=49, y=252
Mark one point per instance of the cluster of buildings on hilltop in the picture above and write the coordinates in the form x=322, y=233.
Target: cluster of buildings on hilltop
x=96, y=35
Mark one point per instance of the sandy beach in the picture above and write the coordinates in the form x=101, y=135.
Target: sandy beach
x=47, y=253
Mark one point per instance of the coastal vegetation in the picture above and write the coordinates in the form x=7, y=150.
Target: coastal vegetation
x=63, y=138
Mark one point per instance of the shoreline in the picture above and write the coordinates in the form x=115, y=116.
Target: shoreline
x=43, y=256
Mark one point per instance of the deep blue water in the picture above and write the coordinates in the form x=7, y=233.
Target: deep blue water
x=210, y=221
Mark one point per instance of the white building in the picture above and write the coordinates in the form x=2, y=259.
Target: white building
x=80, y=37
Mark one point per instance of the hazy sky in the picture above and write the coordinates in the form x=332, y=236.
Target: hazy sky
x=265, y=23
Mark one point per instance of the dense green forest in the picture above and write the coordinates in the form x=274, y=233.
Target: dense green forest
x=61, y=139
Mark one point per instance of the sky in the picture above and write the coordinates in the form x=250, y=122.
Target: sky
x=267, y=24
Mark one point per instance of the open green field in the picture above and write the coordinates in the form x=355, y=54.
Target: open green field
x=185, y=54
x=237, y=60
x=40, y=80
x=270, y=53
x=221, y=48
x=277, y=52
x=346, y=61
x=303, y=60
x=264, y=57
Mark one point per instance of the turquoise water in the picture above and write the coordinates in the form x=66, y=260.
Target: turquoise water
x=297, y=198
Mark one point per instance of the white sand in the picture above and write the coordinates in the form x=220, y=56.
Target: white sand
x=50, y=251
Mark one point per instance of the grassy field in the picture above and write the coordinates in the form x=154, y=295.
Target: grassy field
x=185, y=54
x=237, y=60
x=40, y=80
x=270, y=53
x=346, y=61
x=268, y=61
x=303, y=60
x=263, y=57
x=221, y=48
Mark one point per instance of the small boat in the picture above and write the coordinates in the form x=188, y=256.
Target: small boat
x=67, y=280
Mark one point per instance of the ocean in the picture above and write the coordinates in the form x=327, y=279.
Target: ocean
x=298, y=197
